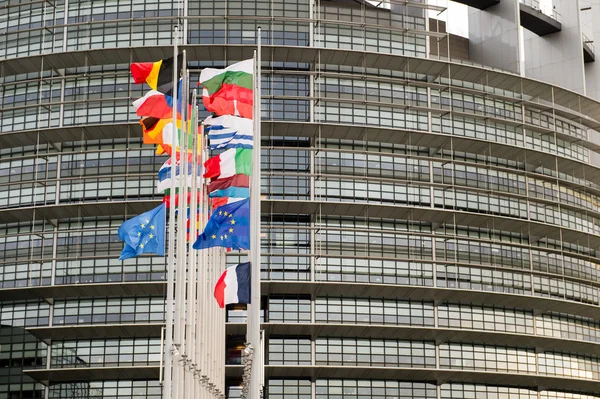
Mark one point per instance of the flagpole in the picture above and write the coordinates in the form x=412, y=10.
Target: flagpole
x=197, y=192
x=253, y=332
x=193, y=234
x=191, y=276
x=170, y=256
x=178, y=376
x=204, y=297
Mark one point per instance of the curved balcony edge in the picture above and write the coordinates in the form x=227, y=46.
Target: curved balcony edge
x=58, y=375
x=437, y=376
x=339, y=208
x=96, y=331
x=206, y=52
x=51, y=292
x=328, y=130
x=417, y=333
x=434, y=294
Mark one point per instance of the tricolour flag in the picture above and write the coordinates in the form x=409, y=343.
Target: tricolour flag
x=158, y=75
x=233, y=181
x=241, y=192
x=229, y=163
x=229, y=132
x=164, y=174
x=220, y=201
x=229, y=91
x=154, y=129
x=154, y=104
x=228, y=226
x=164, y=137
x=144, y=233
x=234, y=285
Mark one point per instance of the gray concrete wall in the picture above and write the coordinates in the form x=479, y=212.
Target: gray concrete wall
x=494, y=35
x=590, y=25
x=557, y=58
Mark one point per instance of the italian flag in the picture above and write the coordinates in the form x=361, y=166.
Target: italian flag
x=229, y=91
x=229, y=163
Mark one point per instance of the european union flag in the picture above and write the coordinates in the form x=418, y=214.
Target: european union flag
x=144, y=233
x=229, y=227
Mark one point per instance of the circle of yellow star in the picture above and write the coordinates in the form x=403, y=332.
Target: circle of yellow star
x=151, y=235
x=230, y=230
x=214, y=236
x=232, y=221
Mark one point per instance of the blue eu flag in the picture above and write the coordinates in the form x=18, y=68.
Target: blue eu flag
x=229, y=227
x=144, y=233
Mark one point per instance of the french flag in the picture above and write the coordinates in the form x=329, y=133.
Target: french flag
x=234, y=285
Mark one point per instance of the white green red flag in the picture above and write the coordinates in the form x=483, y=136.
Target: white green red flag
x=229, y=91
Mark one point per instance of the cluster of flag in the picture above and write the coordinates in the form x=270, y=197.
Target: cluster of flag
x=146, y=233
x=227, y=93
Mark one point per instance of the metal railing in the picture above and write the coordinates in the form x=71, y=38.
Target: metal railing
x=535, y=4
x=588, y=42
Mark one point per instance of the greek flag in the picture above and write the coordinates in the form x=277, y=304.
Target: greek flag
x=229, y=131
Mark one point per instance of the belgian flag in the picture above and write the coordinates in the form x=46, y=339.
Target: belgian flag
x=158, y=75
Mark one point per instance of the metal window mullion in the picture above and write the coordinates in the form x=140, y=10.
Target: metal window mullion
x=65, y=33
x=54, y=250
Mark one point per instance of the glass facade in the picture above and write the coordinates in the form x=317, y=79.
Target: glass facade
x=441, y=231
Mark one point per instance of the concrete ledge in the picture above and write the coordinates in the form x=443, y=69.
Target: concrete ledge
x=51, y=376
x=588, y=53
x=412, y=333
x=479, y=4
x=436, y=376
x=437, y=295
x=538, y=22
x=84, y=290
x=343, y=131
x=531, y=89
x=95, y=331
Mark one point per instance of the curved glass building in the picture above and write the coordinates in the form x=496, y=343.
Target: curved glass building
x=431, y=211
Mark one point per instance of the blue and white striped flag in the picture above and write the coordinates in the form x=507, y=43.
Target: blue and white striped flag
x=164, y=175
x=229, y=131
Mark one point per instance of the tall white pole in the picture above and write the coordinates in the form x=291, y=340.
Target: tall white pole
x=253, y=334
x=191, y=278
x=178, y=375
x=200, y=325
x=193, y=315
x=166, y=394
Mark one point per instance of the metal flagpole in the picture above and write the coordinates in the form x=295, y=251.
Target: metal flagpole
x=191, y=274
x=211, y=331
x=203, y=319
x=206, y=284
x=253, y=334
x=221, y=357
x=192, y=315
x=180, y=276
x=196, y=191
x=201, y=266
x=171, y=247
